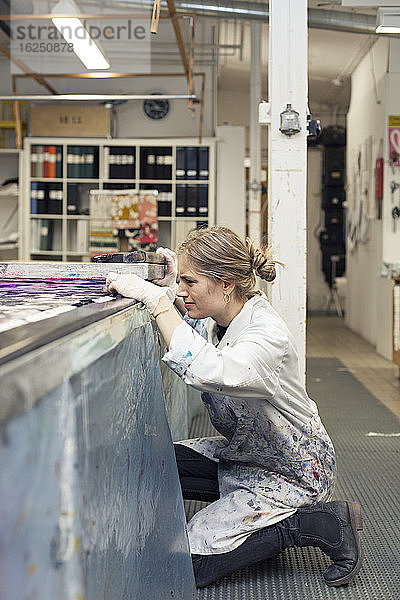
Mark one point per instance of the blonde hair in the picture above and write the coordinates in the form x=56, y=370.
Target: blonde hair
x=218, y=253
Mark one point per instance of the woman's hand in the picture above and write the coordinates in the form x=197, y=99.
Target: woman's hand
x=132, y=286
x=169, y=279
x=158, y=300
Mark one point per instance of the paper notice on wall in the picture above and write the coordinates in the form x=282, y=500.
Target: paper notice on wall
x=394, y=140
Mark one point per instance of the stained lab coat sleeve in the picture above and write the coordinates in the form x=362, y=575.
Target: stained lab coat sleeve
x=249, y=367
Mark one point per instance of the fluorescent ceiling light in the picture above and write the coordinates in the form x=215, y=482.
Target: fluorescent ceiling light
x=74, y=32
x=388, y=20
x=262, y=12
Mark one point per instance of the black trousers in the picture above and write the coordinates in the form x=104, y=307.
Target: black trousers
x=199, y=481
x=331, y=526
x=197, y=473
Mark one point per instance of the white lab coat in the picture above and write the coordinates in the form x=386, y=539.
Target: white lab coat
x=273, y=454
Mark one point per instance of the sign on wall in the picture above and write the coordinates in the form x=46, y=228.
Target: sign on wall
x=70, y=120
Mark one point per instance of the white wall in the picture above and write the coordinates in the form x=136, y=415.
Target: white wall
x=366, y=304
x=231, y=185
x=233, y=107
x=180, y=122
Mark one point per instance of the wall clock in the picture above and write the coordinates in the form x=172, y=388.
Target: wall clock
x=156, y=109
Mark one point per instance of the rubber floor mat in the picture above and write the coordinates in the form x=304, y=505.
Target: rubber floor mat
x=368, y=472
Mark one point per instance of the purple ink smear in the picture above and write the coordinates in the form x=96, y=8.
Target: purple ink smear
x=54, y=287
x=23, y=297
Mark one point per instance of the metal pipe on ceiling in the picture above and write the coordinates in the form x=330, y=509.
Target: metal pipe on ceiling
x=334, y=20
x=318, y=19
x=97, y=97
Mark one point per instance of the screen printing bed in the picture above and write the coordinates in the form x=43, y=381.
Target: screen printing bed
x=90, y=497
x=38, y=292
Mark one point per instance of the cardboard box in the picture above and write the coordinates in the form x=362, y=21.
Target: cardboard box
x=70, y=120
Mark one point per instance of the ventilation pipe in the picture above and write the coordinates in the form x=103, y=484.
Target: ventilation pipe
x=319, y=19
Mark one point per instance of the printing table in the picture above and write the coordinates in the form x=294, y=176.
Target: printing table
x=90, y=498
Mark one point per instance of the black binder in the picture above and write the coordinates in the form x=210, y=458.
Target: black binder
x=73, y=199
x=121, y=162
x=180, y=171
x=55, y=200
x=191, y=200
x=203, y=163
x=192, y=162
x=148, y=163
x=180, y=201
x=203, y=200
x=42, y=198
x=73, y=166
x=163, y=162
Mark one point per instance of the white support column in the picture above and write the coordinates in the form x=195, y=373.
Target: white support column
x=287, y=163
x=255, y=135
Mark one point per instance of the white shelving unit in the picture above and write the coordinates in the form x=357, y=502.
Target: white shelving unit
x=172, y=228
x=10, y=213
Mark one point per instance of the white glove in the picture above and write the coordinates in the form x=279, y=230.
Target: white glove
x=169, y=279
x=133, y=286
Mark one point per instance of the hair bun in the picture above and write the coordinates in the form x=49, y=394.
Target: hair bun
x=261, y=262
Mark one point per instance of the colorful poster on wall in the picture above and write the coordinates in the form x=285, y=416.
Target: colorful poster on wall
x=394, y=141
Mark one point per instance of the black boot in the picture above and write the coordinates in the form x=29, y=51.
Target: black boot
x=333, y=527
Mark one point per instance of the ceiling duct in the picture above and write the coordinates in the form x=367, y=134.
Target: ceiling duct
x=350, y=22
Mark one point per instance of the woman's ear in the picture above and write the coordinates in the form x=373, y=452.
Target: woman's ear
x=228, y=288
